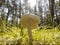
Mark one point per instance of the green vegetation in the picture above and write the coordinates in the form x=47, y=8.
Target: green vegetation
x=40, y=36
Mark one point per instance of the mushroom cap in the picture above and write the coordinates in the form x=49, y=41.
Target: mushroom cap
x=29, y=20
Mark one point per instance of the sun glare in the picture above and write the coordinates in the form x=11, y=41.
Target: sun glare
x=32, y=2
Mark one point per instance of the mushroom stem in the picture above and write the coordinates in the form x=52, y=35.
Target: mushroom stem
x=30, y=36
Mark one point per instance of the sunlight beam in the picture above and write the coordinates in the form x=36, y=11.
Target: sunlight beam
x=32, y=2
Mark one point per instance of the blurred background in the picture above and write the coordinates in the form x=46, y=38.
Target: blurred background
x=48, y=11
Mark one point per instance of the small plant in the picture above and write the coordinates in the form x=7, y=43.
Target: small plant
x=2, y=25
x=30, y=22
x=59, y=26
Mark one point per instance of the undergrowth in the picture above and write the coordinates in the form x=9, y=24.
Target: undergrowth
x=40, y=37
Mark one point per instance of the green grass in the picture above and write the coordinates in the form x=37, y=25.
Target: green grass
x=46, y=37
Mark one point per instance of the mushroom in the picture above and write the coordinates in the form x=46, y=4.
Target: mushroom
x=30, y=22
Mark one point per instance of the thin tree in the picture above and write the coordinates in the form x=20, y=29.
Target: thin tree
x=51, y=4
x=40, y=12
x=8, y=6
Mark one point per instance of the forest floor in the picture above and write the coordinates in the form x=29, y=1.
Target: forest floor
x=40, y=36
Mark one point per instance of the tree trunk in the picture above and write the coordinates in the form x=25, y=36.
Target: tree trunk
x=51, y=4
x=57, y=20
x=59, y=2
